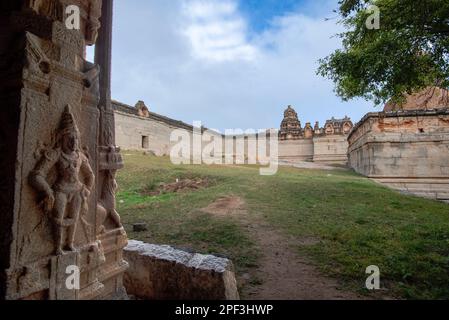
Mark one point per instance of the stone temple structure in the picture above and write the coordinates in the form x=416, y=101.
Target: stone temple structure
x=406, y=147
x=326, y=145
x=290, y=126
x=58, y=154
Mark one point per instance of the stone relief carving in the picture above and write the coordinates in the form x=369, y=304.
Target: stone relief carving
x=47, y=59
x=37, y=54
x=110, y=162
x=49, y=8
x=106, y=207
x=329, y=129
x=91, y=79
x=54, y=10
x=108, y=129
x=67, y=199
x=93, y=23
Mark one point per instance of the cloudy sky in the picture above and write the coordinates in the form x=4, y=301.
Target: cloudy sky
x=228, y=63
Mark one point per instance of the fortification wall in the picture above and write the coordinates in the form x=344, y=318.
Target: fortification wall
x=136, y=133
x=408, y=151
x=331, y=149
x=296, y=150
x=138, y=129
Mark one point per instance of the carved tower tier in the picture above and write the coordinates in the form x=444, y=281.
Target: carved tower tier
x=58, y=164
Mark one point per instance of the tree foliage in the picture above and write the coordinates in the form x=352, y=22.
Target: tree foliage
x=409, y=52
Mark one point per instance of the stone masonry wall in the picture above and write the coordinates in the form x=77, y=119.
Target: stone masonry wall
x=408, y=151
x=331, y=149
x=131, y=130
x=152, y=133
x=296, y=150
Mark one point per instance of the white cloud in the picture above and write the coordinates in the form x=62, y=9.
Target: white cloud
x=216, y=31
x=193, y=60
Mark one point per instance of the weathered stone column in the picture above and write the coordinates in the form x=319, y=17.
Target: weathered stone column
x=112, y=233
x=103, y=58
x=57, y=201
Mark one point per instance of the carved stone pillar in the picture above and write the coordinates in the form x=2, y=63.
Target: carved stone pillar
x=111, y=231
x=55, y=219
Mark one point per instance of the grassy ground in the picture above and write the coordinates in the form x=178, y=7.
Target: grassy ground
x=358, y=222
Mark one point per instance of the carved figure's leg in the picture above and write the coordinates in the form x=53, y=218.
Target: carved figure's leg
x=73, y=214
x=101, y=217
x=60, y=208
x=116, y=218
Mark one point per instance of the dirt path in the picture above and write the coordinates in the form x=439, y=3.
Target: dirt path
x=284, y=274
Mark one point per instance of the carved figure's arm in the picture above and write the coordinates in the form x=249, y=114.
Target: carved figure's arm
x=38, y=177
x=88, y=173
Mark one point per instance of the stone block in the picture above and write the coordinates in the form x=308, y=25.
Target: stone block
x=166, y=273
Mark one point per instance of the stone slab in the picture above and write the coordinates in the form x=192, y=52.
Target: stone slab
x=160, y=272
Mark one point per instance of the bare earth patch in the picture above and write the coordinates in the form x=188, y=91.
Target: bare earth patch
x=230, y=205
x=183, y=185
x=282, y=273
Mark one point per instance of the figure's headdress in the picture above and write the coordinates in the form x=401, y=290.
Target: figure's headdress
x=68, y=124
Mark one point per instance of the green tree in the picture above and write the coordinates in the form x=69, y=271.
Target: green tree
x=408, y=52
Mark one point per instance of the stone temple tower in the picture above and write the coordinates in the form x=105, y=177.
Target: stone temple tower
x=290, y=126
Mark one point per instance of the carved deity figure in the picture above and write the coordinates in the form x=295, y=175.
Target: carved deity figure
x=67, y=197
x=106, y=208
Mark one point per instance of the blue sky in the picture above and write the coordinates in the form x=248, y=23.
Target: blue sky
x=228, y=63
x=261, y=12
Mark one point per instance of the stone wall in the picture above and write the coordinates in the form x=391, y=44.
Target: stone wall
x=147, y=131
x=331, y=149
x=132, y=129
x=296, y=150
x=406, y=150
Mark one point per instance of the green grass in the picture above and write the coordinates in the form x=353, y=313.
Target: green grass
x=359, y=222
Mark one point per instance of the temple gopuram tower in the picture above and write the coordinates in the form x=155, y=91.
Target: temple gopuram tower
x=58, y=154
x=290, y=126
